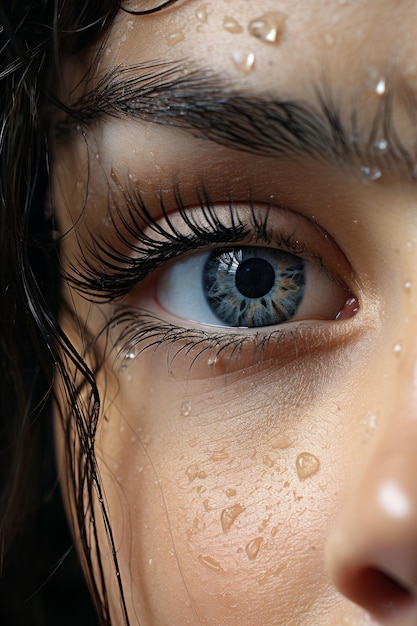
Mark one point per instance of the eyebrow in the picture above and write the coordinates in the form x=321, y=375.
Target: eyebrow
x=202, y=103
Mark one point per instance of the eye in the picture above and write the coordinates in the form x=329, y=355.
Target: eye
x=249, y=286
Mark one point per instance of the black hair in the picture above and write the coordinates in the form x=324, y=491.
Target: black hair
x=34, y=37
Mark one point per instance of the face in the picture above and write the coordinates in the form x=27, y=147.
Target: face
x=238, y=220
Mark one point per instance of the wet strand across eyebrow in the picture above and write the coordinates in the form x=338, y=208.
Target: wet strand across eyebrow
x=202, y=103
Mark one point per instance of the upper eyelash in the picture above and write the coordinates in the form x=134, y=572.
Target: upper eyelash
x=111, y=273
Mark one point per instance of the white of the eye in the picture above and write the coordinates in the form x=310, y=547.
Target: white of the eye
x=180, y=290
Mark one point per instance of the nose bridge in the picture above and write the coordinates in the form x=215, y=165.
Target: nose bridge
x=372, y=549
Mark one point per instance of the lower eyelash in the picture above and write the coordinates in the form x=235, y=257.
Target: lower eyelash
x=135, y=331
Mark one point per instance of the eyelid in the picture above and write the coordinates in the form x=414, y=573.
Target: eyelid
x=260, y=225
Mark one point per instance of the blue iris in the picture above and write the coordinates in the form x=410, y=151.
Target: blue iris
x=253, y=286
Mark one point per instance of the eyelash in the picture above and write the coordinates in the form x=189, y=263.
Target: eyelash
x=108, y=274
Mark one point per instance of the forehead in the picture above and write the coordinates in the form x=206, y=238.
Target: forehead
x=347, y=41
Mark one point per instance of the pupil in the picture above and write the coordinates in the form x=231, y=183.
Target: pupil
x=254, y=278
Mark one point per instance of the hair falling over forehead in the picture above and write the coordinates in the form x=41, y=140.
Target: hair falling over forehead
x=35, y=351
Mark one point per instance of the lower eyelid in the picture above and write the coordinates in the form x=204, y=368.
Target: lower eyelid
x=196, y=353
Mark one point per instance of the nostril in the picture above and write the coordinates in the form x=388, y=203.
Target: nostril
x=380, y=593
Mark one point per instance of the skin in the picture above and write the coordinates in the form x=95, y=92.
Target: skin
x=213, y=523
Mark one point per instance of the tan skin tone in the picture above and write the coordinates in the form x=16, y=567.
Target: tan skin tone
x=214, y=521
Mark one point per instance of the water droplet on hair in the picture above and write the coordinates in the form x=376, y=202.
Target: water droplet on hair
x=175, y=37
x=371, y=173
x=244, y=62
x=185, y=409
x=130, y=354
x=252, y=549
x=307, y=464
x=229, y=515
x=380, y=87
x=397, y=348
x=231, y=25
x=381, y=145
x=230, y=493
x=210, y=563
x=268, y=27
x=202, y=13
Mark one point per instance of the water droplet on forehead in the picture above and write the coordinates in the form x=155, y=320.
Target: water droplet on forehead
x=371, y=173
x=244, y=62
x=268, y=27
x=231, y=25
x=307, y=464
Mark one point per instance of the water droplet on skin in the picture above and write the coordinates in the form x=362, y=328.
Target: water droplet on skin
x=175, y=37
x=133, y=177
x=221, y=455
x=229, y=515
x=282, y=442
x=230, y=493
x=231, y=25
x=407, y=286
x=244, y=62
x=268, y=461
x=130, y=25
x=185, y=409
x=192, y=472
x=201, y=13
x=130, y=355
x=97, y=156
x=210, y=563
x=212, y=360
x=268, y=27
x=371, y=173
x=253, y=547
x=397, y=348
x=307, y=464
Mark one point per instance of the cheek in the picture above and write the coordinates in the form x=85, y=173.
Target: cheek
x=221, y=494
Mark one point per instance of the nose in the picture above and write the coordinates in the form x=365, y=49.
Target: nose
x=372, y=549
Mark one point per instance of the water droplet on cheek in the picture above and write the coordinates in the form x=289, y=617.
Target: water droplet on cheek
x=307, y=465
x=229, y=515
x=397, y=348
x=210, y=563
x=268, y=27
x=202, y=13
x=231, y=25
x=253, y=547
x=407, y=286
x=244, y=62
x=175, y=37
x=185, y=409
